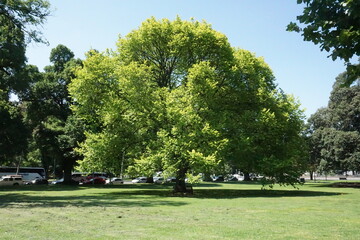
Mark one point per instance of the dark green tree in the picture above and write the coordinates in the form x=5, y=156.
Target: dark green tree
x=319, y=121
x=335, y=25
x=13, y=133
x=55, y=132
x=334, y=131
x=344, y=104
x=19, y=22
x=18, y=26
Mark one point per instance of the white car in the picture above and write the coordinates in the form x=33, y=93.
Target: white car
x=114, y=181
x=11, y=180
x=139, y=180
x=158, y=179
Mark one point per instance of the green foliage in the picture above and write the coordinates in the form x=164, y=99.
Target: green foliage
x=176, y=97
x=335, y=131
x=13, y=133
x=55, y=131
x=335, y=26
x=18, y=22
x=59, y=56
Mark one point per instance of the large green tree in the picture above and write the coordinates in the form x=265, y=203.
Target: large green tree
x=335, y=25
x=176, y=97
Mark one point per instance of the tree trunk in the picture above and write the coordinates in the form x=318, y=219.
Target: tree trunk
x=247, y=176
x=149, y=180
x=68, y=164
x=207, y=177
x=67, y=174
x=180, y=185
x=311, y=175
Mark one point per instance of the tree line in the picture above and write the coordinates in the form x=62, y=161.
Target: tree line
x=174, y=96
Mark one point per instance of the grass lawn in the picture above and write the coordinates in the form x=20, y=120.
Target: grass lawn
x=216, y=211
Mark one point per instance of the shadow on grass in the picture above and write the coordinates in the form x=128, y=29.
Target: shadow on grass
x=132, y=195
x=250, y=193
x=338, y=184
x=61, y=187
x=125, y=199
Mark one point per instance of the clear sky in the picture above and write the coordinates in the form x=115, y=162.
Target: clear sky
x=259, y=26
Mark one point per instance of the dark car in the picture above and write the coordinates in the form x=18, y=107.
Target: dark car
x=61, y=181
x=40, y=181
x=171, y=180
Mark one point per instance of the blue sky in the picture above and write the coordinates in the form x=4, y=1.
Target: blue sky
x=259, y=26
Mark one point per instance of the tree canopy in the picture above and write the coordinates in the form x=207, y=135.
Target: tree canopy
x=18, y=26
x=55, y=132
x=176, y=97
x=334, y=130
x=335, y=25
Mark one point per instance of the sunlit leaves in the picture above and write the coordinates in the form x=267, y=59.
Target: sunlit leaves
x=176, y=97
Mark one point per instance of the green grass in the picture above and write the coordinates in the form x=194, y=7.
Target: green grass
x=216, y=211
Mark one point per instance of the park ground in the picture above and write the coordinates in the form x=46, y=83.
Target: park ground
x=147, y=211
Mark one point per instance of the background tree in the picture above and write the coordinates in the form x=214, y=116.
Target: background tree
x=334, y=131
x=13, y=134
x=55, y=131
x=316, y=123
x=335, y=25
x=18, y=22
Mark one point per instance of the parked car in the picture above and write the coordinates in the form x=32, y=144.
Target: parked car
x=78, y=176
x=114, y=181
x=240, y=176
x=61, y=181
x=219, y=178
x=139, y=180
x=96, y=180
x=171, y=180
x=158, y=179
x=39, y=181
x=97, y=175
x=11, y=180
x=231, y=178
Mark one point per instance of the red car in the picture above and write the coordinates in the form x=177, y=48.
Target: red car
x=96, y=180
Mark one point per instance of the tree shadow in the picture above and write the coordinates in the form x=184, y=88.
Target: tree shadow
x=132, y=195
x=251, y=193
x=32, y=188
x=322, y=184
x=337, y=184
x=127, y=195
x=113, y=199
